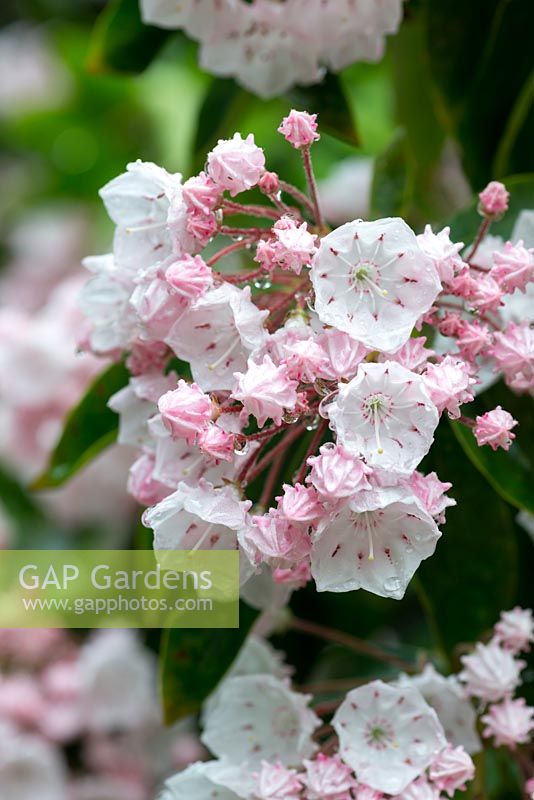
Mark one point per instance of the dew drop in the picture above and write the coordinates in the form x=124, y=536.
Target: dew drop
x=392, y=585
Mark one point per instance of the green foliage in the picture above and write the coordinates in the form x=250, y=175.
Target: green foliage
x=90, y=427
x=192, y=662
x=473, y=574
x=121, y=42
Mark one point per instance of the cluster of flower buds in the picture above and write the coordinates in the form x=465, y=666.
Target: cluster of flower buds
x=411, y=739
x=270, y=46
x=314, y=344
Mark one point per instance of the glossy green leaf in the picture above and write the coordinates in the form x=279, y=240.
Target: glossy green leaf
x=479, y=54
x=473, y=574
x=121, y=42
x=90, y=428
x=223, y=104
x=329, y=100
x=192, y=662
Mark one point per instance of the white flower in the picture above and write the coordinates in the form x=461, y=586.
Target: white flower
x=136, y=404
x=385, y=415
x=197, y=782
x=448, y=699
x=29, y=768
x=259, y=718
x=197, y=518
x=373, y=281
x=376, y=543
x=388, y=735
x=119, y=682
x=217, y=334
x=491, y=672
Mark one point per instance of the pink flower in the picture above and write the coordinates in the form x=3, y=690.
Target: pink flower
x=509, y=722
x=495, y=428
x=202, y=227
x=295, y=576
x=513, y=350
x=487, y=295
x=431, y=492
x=299, y=128
x=490, y=672
x=451, y=770
x=363, y=792
x=515, y=629
x=514, y=267
x=269, y=183
x=448, y=385
x=494, y=200
x=337, y=474
x=215, y=442
x=147, y=356
x=442, y=251
x=266, y=390
x=186, y=411
x=272, y=536
x=420, y=789
x=529, y=788
x=190, y=276
x=472, y=338
x=200, y=194
x=142, y=484
x=276, y=782
x=295, y=246
x=305, y=359
x=236, y=164
x=266, y=254
x=299, y=503
x=21, y=700
x=343, y=353
x=411, y=355
x=328, y=778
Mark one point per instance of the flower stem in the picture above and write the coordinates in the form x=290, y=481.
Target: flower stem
x=351, y=643
x=297, y=195
x=314, y=444
x=312, y=184
x=227, y=250
x=250, y=210
x=277, y=450
x=482, y=231
x=268, y=487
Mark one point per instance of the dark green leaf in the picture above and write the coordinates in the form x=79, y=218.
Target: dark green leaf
x=90, y=428
x=16, y=501
x=389, y=191
x=192, y=662
x=473, y=574
x=328, y=99
x=121, y=42
x=480, y=57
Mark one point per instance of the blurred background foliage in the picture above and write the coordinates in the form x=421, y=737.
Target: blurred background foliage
x=449, y=108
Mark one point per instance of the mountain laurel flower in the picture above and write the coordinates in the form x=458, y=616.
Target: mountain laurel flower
x=300, y=503
x=515, y=629
x=269, y=183
x=452, y=770
x=388, y=735
x=513, y=267
x=236, y=164
x=373, y=281
x=495, y=428
x=493, y=200
x=385, y=415
x=274, y=538
x=443, y=253
x=420, y=789
x=299, y=128
x=509, y=722
x=141, y=482
x=186, y=411
x=513, y=351
x=294, y=246
x=431, y=492
x=448, y=384
x=491, y=672
x=201, y=194
x=266, y=390
x=190, y=276
x=472, y=338
x=337, y=474
x=216, y=443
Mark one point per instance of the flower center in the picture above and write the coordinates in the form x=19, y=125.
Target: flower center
x=375, y=409
x=366, y=278
x=379, y=734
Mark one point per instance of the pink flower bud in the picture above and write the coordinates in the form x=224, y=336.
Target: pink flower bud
x=299, y=128
x=509, y=722
x=266, y=390
x=202, y=227
x=514, y=267
x=269, y=183
x=336, y=473
x=186, y=411
x=190, y=276
x=236, y=164
x=515, y=629
x=451, y=770
x=495, y=428
x=201, y=194
x=299, y=503
x=216, y=443
x=494, y=200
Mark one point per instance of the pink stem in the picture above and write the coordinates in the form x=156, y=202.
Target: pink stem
x=269, y=485
x=277, y=450
x=482, y=231
x=256, y=233
x=312, y=184
x=314, y=444
x=299, y=196
x=227, y=250
x=242, y=278
x=251, y=210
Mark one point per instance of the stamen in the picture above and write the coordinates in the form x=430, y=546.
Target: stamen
x=379, y=449
x=371, y=556
x=151, y=226
x=235, y=343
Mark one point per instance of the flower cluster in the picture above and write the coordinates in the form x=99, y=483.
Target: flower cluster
x=411, y=739
x=289, y=336
x=80, y=721
x=269, y=46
